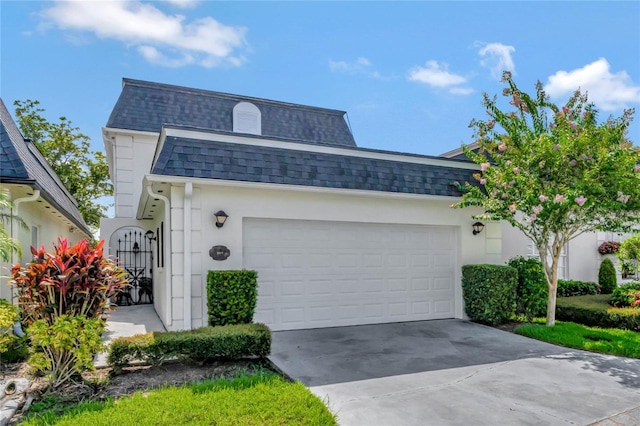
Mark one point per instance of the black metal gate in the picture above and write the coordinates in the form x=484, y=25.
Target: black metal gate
x=136, y=258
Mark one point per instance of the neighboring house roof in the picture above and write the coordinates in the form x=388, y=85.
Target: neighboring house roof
x=22, y=163
x=458, y=153
x=208, y=159
x=147, y=106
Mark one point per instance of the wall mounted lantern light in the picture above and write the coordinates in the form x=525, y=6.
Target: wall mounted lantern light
x=150, y=235
x=221, y=218
x=477, y=228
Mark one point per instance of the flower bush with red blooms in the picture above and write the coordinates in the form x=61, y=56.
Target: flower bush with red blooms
x=609, y=247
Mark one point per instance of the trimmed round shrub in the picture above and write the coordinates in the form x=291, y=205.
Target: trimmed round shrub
x=607, y=277
x=489, y=292
x=532, y=292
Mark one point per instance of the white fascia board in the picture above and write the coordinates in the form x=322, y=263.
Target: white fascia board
x=161, y=138
x=458, y=151
x=191, y=134
x=108, y=149
x=149, y=178
x=108, y=131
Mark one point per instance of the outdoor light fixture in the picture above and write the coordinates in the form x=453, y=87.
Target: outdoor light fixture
x=150, y=235
x=221, y=218
x=477, y=228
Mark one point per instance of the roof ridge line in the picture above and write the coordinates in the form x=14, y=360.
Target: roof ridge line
x=213, y=93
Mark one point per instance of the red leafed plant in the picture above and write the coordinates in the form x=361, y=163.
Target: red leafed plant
x=609, y=247
x=74, y=280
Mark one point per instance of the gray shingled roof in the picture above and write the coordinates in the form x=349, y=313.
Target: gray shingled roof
x=22, y=163
x=218, y=160
x=147, y=106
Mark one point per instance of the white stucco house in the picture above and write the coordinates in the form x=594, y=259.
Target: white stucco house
x=38, y=196
x=339, y=235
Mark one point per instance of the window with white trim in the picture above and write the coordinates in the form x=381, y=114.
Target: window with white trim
x=532, y=251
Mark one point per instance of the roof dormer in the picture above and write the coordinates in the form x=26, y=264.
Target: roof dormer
x=247, y=118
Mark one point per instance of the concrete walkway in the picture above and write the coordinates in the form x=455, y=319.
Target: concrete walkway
x=452, y=372
x=128, y=321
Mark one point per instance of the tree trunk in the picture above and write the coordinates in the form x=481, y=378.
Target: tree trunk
x=551, y=272
x=553, y=287
x=551, y=303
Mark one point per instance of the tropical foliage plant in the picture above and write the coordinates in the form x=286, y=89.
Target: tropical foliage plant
x=63, y=296
x=629, y=253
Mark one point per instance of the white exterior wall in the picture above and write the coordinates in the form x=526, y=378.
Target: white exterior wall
x=133, y=155
x=50, y=228
x=247, y=202
x=583, y=259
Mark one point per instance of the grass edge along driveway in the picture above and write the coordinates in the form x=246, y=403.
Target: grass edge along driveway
x=611, y=341
x=260, y=399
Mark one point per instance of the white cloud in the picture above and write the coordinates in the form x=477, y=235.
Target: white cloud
x=360, y=66
x=154, y=56
x=461, y=90
x=497, y=57
x=438, y=75
x=606, y=90
x=185, y=4
x=156, y=35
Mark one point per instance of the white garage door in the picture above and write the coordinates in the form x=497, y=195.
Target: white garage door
x=322, y=274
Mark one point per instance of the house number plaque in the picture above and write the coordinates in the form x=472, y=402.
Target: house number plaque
x=219, y=253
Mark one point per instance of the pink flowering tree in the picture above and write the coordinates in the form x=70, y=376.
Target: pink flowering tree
x=553, y=172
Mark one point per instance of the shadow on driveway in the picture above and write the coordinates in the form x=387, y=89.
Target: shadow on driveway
x=453, y=372
x=345, y=354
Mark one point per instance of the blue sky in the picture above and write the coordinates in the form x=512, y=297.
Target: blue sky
x=409, y=74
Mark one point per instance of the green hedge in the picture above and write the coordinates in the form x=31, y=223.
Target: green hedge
x=532, y=292
x=489, y=292
x=231, y=296
x=202, y=344
x=568, y=288
x=594, y=311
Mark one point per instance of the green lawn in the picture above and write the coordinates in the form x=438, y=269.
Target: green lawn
x=595, y=302
x=263, y=399
x=589, y=301
x=610, y=341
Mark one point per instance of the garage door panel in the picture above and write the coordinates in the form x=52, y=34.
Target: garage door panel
x=443, y=307
x=443, y=283
x=420, y=284
x=420, y=308
x=373, y=311
x=334, y=273
x=373, y=286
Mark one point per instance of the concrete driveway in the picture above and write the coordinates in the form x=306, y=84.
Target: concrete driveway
x=453, y=372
